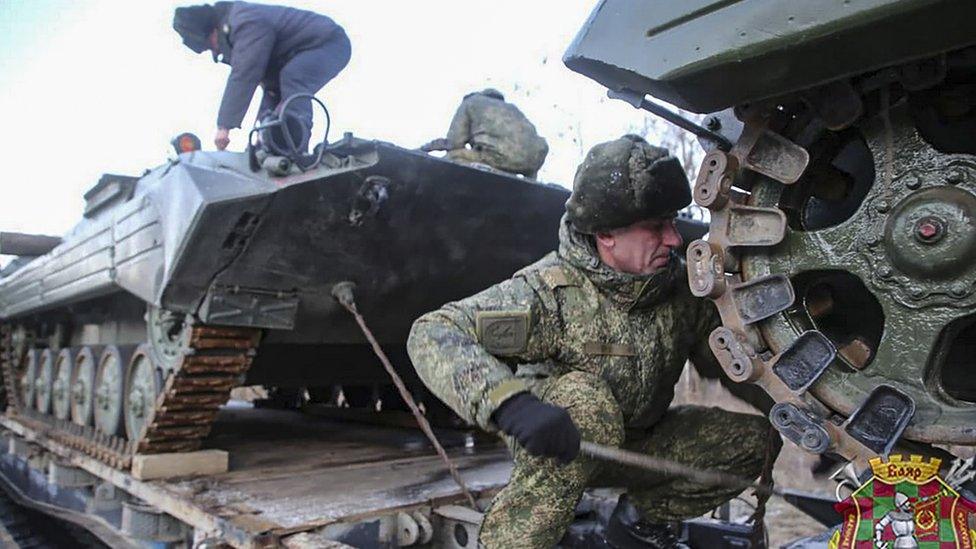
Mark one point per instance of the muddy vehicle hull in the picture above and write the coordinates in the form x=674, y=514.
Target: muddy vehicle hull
x=202, y=236
x=708, y=55
x=205, y=274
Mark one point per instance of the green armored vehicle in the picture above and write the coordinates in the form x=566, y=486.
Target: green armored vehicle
x=215, y=269
x=841, y=179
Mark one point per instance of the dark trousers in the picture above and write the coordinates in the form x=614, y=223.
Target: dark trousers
x=308, y=72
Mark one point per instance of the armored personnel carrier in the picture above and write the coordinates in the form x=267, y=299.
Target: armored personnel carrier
x=841, y=180
x=211, y=271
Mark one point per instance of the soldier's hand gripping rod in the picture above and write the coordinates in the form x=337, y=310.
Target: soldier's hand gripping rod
x=343, y=293
x=674, y=468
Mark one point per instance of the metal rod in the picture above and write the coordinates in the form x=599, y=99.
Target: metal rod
x=640, y=102
x=670, y=467
x=27, y=244
x=343, y=293
x=758, y=518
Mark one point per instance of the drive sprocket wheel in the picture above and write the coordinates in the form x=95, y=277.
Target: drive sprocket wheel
x=168, y=334
x=892, y=286
x=844, y=271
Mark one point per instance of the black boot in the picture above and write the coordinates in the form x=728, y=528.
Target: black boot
x=627, y=530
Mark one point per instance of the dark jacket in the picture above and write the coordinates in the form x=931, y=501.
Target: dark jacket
x=256, y=40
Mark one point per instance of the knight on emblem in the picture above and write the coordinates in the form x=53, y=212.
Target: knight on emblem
x=906, y=504
x=902, y=521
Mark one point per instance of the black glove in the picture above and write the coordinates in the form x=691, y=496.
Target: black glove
x=542, y=429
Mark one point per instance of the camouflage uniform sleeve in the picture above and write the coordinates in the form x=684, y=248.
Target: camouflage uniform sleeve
x=459, y=133
x=462, y=351
x=701, y=354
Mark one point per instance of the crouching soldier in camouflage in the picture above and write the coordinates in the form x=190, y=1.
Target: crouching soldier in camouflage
x=488, y=130
x=588, y=343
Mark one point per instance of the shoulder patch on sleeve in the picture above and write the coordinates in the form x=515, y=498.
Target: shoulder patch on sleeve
x=503, y=333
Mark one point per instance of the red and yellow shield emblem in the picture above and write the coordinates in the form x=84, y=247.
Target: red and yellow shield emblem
x=905, y=504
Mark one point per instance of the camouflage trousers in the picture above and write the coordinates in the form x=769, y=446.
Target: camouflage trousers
x=539, y=502
x=490, y=158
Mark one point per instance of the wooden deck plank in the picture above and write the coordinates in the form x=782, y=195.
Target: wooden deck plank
x=296, y=470
x=288, y=473
x=160, y=466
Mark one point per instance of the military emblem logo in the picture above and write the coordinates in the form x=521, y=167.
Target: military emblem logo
x=503, y=333
x=906, y=505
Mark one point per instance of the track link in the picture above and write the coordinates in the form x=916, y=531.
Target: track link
x=186, y=407
x=188, y=403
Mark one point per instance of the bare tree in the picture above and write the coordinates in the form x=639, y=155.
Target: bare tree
x=682, y=144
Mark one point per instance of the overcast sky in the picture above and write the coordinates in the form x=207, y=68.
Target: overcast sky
x=94, y=86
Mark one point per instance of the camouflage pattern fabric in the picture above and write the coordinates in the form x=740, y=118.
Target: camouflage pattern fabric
x=624, y=181
x=537, y=505
x=486, y=157
x=607, y=346
x=498, y=134
x=566, y=312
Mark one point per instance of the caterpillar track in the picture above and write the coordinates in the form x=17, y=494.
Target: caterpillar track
x=211, y=364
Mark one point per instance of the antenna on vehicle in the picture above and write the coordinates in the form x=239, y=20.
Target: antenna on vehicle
x=343, y=292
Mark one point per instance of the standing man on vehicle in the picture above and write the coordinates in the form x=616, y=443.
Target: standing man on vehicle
x=588, y=343
x=487, y=130
x=285, y=50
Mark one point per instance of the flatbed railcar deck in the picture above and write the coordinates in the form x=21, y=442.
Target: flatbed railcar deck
x=292, y=480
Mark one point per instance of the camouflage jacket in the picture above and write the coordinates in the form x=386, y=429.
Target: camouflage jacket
x=500, y=128
x=566, y=312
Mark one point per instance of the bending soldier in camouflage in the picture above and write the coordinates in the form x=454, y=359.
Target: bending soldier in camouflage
x=589, y=342
x=487, y=130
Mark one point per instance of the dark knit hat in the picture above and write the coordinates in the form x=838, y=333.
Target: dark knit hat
x=194, y=24
x=624, y=181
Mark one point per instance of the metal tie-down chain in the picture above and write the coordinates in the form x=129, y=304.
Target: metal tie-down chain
x=343, y=293
x=758, y=518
